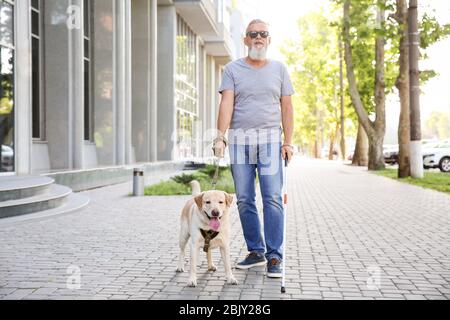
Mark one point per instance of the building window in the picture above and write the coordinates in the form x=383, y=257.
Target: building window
x=88, y=127
x=37, y=58
x=7, y=52
x=186, y=90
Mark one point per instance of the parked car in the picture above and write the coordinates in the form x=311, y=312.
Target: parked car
x=430, y=145
x=325, y=153
x=390, y=153
x=7, y=159
x=437, y=157
x=350, y=156
x=426, y=143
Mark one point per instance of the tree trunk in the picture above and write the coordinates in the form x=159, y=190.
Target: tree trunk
x=331, y=146
x=319, y=134
x=317, y=148
x=334, y=133
x=416, y=134
x=333, y=139
x=376, y=152
x=375, y=130
x=341, y=84
x=360, y=156
x=402, y=85
x=376, y=157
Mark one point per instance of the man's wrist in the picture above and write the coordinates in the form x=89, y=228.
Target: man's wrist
x=288, y=145
x=221, y=138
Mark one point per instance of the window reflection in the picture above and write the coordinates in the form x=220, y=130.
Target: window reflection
x=36, y=76
x=186, y=89
x=88, y=135
x=6, y=24
x=6, y=109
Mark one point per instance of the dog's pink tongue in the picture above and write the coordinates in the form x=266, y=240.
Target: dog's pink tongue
x=214, y=224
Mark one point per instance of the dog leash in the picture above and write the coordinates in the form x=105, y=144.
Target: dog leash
x=215, y=179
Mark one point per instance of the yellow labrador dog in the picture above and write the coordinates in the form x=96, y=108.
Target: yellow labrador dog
x=205, y=220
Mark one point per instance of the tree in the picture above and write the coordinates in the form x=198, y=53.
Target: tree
x=414, y=90
x=375, y=129
x=315, y=72
x=342, y=100
x=361, y=155
x=430, y=32
x=438, y=125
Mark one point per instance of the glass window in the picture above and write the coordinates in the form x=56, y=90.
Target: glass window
x=35, y=4
x=86, y=101
x=88, y=128
x=6, y=24
x=6, y=87
x=186, y=95
x=86, y=13
x=36, y=81
x=36, y=59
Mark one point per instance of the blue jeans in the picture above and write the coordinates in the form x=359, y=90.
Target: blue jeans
x=265, y=159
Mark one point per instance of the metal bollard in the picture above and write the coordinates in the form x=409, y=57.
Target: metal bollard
x=138, y=182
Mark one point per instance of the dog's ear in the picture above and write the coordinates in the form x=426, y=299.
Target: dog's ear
x=229, y=199
x=199, y=200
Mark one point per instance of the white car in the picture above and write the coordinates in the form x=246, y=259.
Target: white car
x=437, y=157
x=390, y=153
x=7, y=159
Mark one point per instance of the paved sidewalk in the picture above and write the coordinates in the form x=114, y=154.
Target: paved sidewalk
x=351, y=235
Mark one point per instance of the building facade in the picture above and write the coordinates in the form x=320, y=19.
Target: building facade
x=90, y=84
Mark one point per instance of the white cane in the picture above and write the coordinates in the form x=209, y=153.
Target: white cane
x=285, y=200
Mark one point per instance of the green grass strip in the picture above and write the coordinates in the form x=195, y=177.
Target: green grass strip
x=439, y=181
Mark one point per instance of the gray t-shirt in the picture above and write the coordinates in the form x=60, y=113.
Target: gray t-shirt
x=257, y=93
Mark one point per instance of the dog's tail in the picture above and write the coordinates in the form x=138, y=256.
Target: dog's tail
x=195, y=187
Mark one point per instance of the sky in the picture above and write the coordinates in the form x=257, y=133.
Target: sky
x=283, y=15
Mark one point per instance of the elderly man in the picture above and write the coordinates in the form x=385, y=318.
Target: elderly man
x=256, y=101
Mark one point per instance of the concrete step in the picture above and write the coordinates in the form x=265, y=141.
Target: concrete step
x=75, y=202
x=16, y=187
x=55, y=196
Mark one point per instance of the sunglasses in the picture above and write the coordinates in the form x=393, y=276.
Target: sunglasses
x=254, y=34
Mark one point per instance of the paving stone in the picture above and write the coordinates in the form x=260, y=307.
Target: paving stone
x=348, y=231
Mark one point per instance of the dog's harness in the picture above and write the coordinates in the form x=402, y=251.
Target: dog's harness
x=208, y=235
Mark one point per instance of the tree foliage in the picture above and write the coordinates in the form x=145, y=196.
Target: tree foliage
x=314, y=62
x=313, y=57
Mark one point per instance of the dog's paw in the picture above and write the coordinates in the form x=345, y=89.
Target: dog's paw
x=212, y=268
x=180, y=269
x=232, y=280
x=192, y=283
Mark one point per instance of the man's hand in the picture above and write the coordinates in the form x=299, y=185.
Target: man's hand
x=219, y=148
x=287, y=151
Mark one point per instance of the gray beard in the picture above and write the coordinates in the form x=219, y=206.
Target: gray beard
x=257, y=54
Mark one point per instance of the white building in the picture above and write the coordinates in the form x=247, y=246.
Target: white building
x=107, y=83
